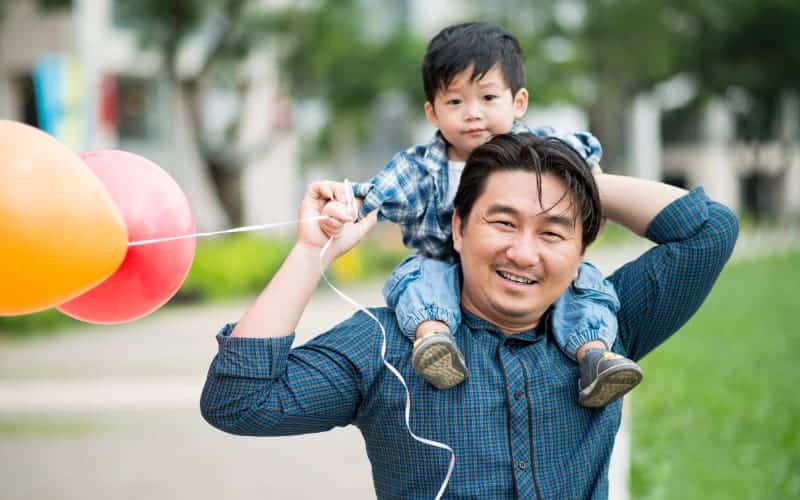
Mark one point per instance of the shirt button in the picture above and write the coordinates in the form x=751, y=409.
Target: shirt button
x=517, y=395
x=522, y=465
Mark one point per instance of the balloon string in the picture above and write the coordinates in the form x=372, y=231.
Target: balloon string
x=395, y=372
x=351, y=206
x=226, y=231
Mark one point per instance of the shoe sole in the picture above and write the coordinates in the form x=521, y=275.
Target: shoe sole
x=610, y=385
x=440, y=364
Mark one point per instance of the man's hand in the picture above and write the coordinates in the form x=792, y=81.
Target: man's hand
x=331, y=200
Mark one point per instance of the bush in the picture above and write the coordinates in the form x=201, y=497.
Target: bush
x=234, y=266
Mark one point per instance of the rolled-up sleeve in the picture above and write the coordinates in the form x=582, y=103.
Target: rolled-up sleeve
x=663, y=288
x=263, y=387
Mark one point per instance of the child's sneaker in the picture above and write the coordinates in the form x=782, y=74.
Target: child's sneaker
x=437, y=359
x=606, y=376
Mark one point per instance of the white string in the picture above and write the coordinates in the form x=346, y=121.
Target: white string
x=351, y=207
x=396, y=374
x=388, y=365
x=226, y=231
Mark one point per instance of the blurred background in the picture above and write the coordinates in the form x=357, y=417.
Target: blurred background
x=244, y=102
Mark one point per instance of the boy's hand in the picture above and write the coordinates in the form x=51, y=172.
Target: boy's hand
x=330, y=199
x=341, y=209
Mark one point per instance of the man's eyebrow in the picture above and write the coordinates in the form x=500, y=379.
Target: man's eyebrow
x=556, y=219
x=499, y=208
x=560, y=220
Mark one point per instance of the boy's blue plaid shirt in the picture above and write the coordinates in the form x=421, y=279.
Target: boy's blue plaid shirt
x=411, y=189
x=515, y=424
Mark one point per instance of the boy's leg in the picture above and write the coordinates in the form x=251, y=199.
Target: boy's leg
x=585, y=325
x=424, y=294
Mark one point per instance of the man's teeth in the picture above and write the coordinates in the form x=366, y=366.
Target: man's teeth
x=515, y=278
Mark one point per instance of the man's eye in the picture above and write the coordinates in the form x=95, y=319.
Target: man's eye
x=503, y=223
x=553, y=236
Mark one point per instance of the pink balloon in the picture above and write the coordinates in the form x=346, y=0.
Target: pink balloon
x=153, y=206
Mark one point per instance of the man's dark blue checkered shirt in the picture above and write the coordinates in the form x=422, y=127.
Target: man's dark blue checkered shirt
x=515, y=424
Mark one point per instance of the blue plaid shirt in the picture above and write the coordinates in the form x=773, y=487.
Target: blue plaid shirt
x=515, y=424
x=411, y=190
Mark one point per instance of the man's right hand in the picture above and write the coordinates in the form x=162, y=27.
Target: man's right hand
x=330, y=199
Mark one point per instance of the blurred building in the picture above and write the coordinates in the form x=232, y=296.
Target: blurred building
x=673, y=137
x=80, y=74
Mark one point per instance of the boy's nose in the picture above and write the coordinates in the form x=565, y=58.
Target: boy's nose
x=473, y=111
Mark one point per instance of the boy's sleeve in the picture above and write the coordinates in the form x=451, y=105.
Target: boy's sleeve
x=400, y=192
x=423, y=289
x=584, y=143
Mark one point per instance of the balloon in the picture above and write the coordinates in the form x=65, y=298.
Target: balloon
x=153, y=207
x=60, y=232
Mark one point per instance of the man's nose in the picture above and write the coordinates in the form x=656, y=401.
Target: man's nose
x=524, y=251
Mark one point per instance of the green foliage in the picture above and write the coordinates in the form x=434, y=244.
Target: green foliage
x=41, y=323
x=718, y=414
x=328, y=55
x=234, y=266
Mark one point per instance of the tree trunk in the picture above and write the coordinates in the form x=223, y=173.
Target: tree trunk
x=225, y=174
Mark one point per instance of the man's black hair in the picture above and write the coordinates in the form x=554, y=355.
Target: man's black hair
x=460, y=46
x=538, y=155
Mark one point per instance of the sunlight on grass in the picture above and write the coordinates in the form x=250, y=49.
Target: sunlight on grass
x=718, y=415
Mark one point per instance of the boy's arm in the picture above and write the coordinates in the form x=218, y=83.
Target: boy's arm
x=584, y=143
x=400, y=192
x=662, y=289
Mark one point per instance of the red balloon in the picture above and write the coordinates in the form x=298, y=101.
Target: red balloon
x=153, y=206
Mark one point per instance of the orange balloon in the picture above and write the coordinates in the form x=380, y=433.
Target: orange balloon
x=60, y=232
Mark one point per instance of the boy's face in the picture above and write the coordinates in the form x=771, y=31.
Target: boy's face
x=469, y=112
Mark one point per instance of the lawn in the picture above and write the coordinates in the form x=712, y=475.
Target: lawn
x=718, y=415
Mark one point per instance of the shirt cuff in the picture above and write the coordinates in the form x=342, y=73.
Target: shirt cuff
x=369, y=196
x=680, y=219
x=246, y=357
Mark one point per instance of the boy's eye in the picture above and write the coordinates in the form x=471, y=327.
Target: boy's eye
x=490, y=97
x=453, y=102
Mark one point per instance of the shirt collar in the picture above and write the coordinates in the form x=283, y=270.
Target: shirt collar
x=535, y=334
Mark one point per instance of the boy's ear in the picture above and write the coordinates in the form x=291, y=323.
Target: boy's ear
x=430, y=114
x=457, y=243
x=520, y=103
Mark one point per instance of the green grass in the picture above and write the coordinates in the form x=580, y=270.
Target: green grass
x=718, y=416
x=39, y=426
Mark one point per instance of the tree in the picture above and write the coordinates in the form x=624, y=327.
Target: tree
x=167, y=26
x=325, y=54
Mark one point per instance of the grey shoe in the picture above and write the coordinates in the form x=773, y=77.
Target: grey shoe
x=605, y=377
x=437, y=359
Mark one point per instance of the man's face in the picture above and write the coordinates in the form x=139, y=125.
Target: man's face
x=517, y=255
x=470, y=112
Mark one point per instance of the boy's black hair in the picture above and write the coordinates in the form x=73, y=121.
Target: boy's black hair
x=481, y=44
x=539, y=156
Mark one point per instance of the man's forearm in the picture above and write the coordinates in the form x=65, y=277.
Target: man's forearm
x=633, y=202
x=278, y=309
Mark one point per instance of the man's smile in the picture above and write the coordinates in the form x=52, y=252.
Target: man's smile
x=516, y=278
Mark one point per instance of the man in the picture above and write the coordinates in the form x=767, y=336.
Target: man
x=524, y=213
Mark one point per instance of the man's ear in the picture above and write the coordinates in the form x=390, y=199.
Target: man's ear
x=520, y=103
x=457, y=240
x=430, y=114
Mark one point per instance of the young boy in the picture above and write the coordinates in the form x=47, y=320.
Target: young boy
x=473, y=77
